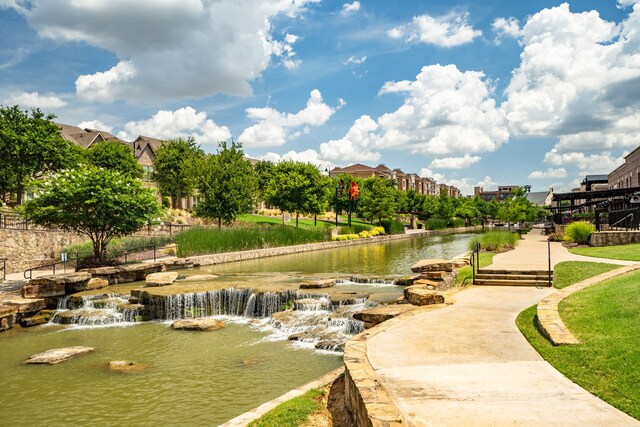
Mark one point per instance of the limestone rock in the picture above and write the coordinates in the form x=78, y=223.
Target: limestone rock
x=177, y=264
x=201, y=324
x=26, y=305
x=428, y=284
x=319, y=284
x=96, y=283
x=127, y=366
x=161, y=279
x=57, y=355
x=418, y=295
x=432, y=265
x=8, y=315
x=460, y=262
x=406, y=281
x=89, y=285
x=199, y=277
x=376, y=315
x=42, y=318
x=109, y=274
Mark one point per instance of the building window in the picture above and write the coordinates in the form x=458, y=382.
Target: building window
x=147, y=174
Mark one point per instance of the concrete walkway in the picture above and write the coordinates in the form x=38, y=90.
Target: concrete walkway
x=468, y=364
x=531, y=253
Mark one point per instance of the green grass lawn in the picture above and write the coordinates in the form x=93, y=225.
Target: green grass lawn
x=293, y=412
x=567, y=273
x=342, y=221
x=606, y=320
x=624, y=252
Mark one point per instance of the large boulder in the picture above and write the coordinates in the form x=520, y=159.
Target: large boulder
x=432, y=265
x=373, y=316
x=137, y=272
x=198, y=278
x=318, y=284
x=177, y=264
x=161, y=279
x=109, y=274
x=26, y=306
x=8, y=317
x=57, y=355
x=55, y=286
x=127, y=366
x=419, y=295
x=89, y=285
x=43, y=317
x=201, y=324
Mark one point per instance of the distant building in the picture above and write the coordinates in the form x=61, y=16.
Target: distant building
x=628, y=174
x=406, y=181
x=503, y=192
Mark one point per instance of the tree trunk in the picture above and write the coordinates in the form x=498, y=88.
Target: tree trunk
x=19, y=192
x=219, y=223
x=173, y=203
x=297, y=215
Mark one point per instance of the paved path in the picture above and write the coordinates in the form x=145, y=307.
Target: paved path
x=531, y=253
x=468, y=364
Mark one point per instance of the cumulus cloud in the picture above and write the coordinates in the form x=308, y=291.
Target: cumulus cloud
x=307, y=156
x=455, y=162
x=549, y=173
x=603, y=162
x=465, y=185
x=35, y=100
x=446, y=31
x=95, y=124
x=349, y=8
x=445, y=111
x=356, y=146
x=428, y=173
x=173, y=49
x=181, y=123
x=506, y=27
x=274, y=128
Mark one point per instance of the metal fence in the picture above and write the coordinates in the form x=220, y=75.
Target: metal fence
x=628, y=219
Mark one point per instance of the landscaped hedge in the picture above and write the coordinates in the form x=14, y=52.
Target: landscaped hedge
x=435, y=224
x=392, y=227
x=579, y=232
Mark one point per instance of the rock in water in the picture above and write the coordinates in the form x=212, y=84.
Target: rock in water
x=161, y=279
x=202, y=324
x=127, y=366
x=432, y=265
x=57, y=355
x=318, y=284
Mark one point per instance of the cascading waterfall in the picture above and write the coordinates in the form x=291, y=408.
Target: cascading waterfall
x=96, y=310
x=365, y=280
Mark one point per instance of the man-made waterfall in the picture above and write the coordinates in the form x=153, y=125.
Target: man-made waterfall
x=97, y=310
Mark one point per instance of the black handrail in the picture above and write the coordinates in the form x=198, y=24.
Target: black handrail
x=4, y=268
x=549, y=260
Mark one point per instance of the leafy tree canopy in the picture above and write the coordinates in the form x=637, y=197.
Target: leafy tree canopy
x=378, y=199
x=175, y=168
x=115, y=156
x=227, y=183
x=100, y=203
x=31, y=146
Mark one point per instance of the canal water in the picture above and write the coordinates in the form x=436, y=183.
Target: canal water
x=193, y=378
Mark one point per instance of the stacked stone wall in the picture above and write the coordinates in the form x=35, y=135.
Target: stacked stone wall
x=30, y=248
x=614, y=238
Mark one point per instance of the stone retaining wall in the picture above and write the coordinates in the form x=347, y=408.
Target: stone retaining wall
x=30, y=248
x=612, y=238
x=287, y=250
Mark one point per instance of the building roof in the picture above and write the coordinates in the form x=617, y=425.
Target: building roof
x=595, y=179
x=141, y=142
x=85, y=137
x=538, y=198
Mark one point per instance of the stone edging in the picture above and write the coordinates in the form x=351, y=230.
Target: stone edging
x=255, y=413
x=549, y=319
x=365, y=397
x=213, y=259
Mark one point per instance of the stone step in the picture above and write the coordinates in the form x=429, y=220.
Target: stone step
x=513, y=276
x=515, y=272
x=496, y=282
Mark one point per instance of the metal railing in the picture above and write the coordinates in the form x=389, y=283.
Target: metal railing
x=474, y=262
x=3, y=264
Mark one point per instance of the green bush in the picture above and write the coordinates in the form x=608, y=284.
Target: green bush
x=392, y=227
x=456, y=223
x=579, y=232
x=495, y=241
x=117, y=247
x=354, y=229
x=200, y=241
x=435, y=224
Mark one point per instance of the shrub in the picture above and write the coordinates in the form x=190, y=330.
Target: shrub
x=435, y=224
x=377, y=231
x=354, y=229
x=392, y=227
x=364, y=234
x=341, y=237
x=456, y=223
x=555, y=237
x=579, y=232
x=495, y=241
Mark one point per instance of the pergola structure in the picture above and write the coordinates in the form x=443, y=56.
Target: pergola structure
x=613, y=199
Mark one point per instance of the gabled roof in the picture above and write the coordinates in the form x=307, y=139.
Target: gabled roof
x=141, y=142
x=85, y=137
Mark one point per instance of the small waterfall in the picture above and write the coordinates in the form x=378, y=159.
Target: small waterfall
x=358, y=280
x=96, y=310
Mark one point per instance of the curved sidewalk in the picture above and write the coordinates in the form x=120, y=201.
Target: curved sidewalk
x=468, y=364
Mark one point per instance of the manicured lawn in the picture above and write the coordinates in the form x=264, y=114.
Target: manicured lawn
x=342, y=220
x=606, y=320
x=625, y=252
x=464, y=273
x=292, y=413
x=569, y=272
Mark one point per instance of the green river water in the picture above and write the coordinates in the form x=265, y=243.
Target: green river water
x=194, y=378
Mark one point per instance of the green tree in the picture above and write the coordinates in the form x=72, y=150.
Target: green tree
x=467, y=210
x=298, y=188
x=516, y=208
x=445, y=205
x=430, y=208
x=116, y=156
x=30, y=147
x=227, y=183
x=175, y=169
x=378, y=199
x=100, y=203
x=264, y=172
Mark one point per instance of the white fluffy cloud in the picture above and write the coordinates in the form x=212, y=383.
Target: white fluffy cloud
x=349, y=8
x=549, y=173
x=603, y=162
x=445, y=111
x=307, y=156
x=446, y=31
x=169, y=49
x=95, y=124
x=455, y=162
x=356, y=146
x=35, y=100
x=274, y=128
x=181, y=123
x=465, y=185
x=506, y=27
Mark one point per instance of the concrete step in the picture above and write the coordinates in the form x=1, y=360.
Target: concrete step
x=515, y=272
x=513, y=276
x=497, y=282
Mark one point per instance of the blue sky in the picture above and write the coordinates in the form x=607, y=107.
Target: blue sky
x=471, y=93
